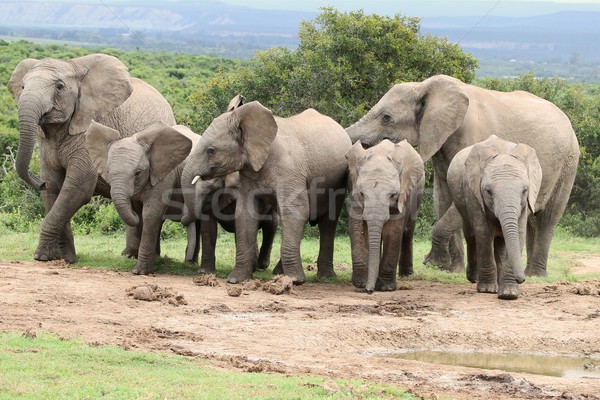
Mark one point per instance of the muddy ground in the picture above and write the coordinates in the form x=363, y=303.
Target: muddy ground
x=324, y=329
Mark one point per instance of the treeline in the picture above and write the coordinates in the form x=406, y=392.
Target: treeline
x=345, y=62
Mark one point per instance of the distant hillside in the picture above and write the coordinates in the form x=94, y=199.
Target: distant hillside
x=564, y=43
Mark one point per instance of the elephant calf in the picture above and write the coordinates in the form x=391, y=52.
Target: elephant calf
x=144, y=171
x=386, y=183
x=494, y=185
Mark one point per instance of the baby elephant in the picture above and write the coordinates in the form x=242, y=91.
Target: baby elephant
x=494, y=185
x=386, y=187
x=213, y=202
x=143, y=171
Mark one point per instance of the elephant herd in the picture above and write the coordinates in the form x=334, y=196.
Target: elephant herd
x=504, y=165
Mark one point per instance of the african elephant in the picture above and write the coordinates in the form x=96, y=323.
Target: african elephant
x=295, y=165
x=144, y=169
x=386, y=185
x=213, y=202
x=442, y=115
x=57, y=100
x=494, y=184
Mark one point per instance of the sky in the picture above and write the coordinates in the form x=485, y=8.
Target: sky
x=432, y=8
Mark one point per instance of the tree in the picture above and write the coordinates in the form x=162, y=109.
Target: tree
x=344, y=63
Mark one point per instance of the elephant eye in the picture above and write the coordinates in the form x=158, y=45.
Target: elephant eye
x=393, y=195
x=138, y=173
x=210, y=151
x=59, y=86
x=386, y=118
x=488, y=191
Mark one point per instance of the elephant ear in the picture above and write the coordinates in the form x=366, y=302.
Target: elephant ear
x=235, y=102
x=412, y=173
x=356, y=157
x=15, y=83
x=167, y=148
x=441, y=108
x=476, y=161
x=98, y=139
x=528, y=156
x=257, y=129
x=105, y=85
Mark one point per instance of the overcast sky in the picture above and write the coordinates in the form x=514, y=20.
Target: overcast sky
x=430, y=8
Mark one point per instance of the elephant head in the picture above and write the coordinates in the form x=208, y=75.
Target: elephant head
x=384, y=180
x=65, y=95
x=137, y=162
x=235, y=140
x=505, y=180
x=425, y=114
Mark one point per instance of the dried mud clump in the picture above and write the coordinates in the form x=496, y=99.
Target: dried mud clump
x=206, y=280
x=149, y=292
x=234, y=291
x=279, y=285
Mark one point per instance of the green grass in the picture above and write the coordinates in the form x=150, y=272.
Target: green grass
x=47, y=367
x=104, y=251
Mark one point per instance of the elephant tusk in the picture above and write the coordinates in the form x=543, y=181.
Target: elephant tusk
x=196, y=179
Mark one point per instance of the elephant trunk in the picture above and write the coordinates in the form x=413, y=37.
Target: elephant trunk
x=122, y=203
x=189, y=195
x=355, y=131
x=374, y=228
x=509, y=222
x=30, y=113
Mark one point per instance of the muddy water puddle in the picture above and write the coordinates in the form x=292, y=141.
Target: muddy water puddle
x=567, y=367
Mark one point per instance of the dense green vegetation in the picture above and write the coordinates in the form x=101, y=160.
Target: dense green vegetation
x=342, y=66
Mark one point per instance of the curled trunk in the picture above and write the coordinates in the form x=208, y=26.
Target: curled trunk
x=123, y=206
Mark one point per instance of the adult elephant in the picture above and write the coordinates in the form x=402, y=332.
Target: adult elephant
x=57, y=100
x=442, y=115
x=296, y=165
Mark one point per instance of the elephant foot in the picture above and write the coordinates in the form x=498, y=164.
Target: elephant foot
x=239, y=275
x=47, y=251
x=326, y=273
x=536, y=271
x=207, y=269
x=141, y=270
x=487, y=287
x=263, y=263
x=472, y=273
x=278, y=270
x=130, y=253
x=440, y=259
x=508, y=291
x=385, y=286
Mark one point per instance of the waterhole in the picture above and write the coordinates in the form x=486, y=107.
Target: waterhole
x=567, y=367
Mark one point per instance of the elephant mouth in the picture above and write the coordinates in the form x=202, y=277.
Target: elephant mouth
x=213, y=171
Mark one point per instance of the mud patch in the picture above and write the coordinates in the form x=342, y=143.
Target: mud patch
x=148, y=292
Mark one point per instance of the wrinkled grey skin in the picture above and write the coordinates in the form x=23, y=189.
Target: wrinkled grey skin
x=213, y=202
x=296, y=165
x=494, y=184
x=386, y=185
x=144, y=169
x=57, y=100
x=441, y=115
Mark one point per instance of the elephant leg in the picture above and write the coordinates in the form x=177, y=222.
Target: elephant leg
x=192, y=249
x=359, y=248
x=269, y=229
x=294, y=211
x=208, y=235
x=392, y=244
x=133, y=234
x=472, y=270
x=246, y=230
x=487, y=279
x=152, y=220
x=507, y=284
x=61, y=203
x=541, y=227
x=327, y=227
x=406, y=249
x=67, y=245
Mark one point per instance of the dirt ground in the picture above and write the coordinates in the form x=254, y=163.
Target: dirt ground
x=323, y=329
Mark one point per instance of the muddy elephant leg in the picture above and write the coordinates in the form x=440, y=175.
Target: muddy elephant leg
x=246, y=230
x=392, y=236
x=360, y=249
x=507, y=284
x=269, y=229
x=62, y=202
x=133, y=234
x=208, y=235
